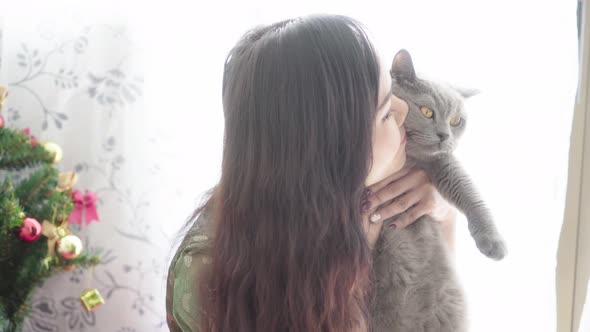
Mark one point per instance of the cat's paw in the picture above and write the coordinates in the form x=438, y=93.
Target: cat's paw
x=494, y=248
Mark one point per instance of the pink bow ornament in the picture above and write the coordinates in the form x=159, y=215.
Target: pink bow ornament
x=84, y=207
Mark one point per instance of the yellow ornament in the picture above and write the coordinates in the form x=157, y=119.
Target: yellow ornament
x=67, y=180
x=53, y=234
x=91, y=299
x=55, y=151
x=3, y=95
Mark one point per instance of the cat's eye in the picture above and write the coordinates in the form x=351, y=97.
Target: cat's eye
x=427, y=112
x=455, y=121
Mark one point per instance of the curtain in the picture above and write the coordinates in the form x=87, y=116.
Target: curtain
x=79, y=82
x=143, y=127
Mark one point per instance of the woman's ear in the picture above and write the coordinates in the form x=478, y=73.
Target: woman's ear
x=402, y=66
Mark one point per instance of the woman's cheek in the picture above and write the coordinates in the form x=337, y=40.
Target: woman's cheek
x=398, y=154
x=390, y=148
x=394, y=140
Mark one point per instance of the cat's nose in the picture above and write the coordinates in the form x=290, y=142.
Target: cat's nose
x=443, y=136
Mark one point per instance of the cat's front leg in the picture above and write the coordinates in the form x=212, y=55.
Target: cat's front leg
x=483, y=230
x=457, y=187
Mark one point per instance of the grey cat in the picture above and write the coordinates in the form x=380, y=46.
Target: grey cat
x=415, y=286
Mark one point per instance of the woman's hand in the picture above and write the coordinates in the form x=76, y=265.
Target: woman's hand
x=409, y=194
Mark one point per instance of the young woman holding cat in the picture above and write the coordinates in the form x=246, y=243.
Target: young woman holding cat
x=312, y=165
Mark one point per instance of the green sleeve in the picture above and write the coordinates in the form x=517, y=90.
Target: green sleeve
x=182, y=305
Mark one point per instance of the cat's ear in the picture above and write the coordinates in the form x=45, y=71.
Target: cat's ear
x=402, y=66
x=468, y=93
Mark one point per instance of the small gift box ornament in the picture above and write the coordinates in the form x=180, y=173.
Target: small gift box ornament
x=91, y=299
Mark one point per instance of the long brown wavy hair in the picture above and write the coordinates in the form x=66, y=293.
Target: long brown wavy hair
x=290, y=253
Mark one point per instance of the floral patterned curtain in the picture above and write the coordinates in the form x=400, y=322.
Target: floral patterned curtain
x=80, y=83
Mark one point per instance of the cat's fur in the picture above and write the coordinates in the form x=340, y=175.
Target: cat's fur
x=415, y=287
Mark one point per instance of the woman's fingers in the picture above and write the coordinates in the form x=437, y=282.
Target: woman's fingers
x=411, y=215
x=401, y=203
x=383, y=183
x=402, y=183
x=372, y=230
x=406, y=195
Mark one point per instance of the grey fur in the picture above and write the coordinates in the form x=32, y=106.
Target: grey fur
x=415, y=286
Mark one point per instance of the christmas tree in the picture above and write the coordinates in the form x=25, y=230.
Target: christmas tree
x=36, y=205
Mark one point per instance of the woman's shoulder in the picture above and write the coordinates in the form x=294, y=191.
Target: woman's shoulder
x=192, y=256
x=199, y=237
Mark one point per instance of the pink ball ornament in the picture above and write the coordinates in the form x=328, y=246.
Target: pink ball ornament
x=30, y=230
x=1, y=121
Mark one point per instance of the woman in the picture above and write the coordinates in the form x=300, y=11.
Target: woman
x=312, y=164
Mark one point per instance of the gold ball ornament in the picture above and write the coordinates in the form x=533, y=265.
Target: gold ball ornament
x=69, y=246
x=55, y=151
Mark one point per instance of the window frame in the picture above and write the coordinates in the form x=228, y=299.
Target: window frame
x=573, y=256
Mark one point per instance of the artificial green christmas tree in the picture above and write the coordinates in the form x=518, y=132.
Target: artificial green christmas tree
x=35, y=241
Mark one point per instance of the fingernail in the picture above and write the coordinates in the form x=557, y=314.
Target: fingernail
x=366, y=206
x=393, y=225
x=368, y=192
x=375, y=217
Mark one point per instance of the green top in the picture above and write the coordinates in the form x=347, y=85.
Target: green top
x=182, y=306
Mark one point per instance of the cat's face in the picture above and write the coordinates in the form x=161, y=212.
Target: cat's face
x=436, y=118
